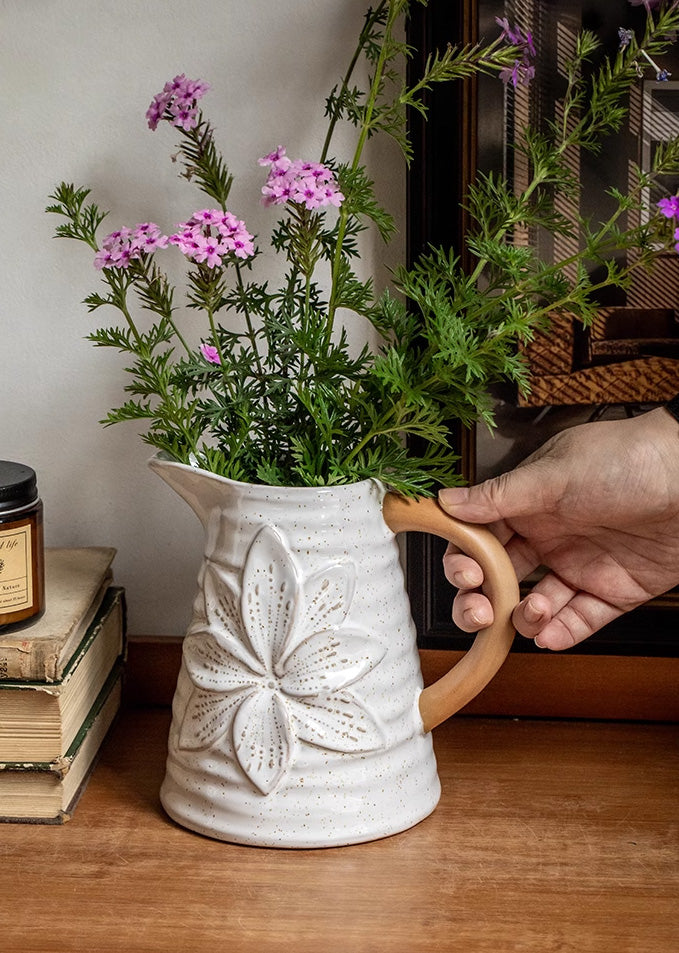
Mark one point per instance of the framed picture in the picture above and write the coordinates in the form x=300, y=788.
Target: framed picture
x=628, y=360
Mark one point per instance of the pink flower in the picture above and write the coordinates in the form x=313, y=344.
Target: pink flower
x=176, y=86
x=127, y=244
x=210, y=250
x=274, y=156
x=307, y=193
x=116, y=238
x=177, y=103
x=103, y=259
x=669, y=207
x=210, y=353
x=147, y=237
x=210, y=235
x=156, y=110
x=184, y=115
x=243, y=246
x=195, y=89
x=515, y=36
x=333, y=196
x=207, y=216
x=310, y=184
x=277, y=193
x=186, y=240
x=227, y=223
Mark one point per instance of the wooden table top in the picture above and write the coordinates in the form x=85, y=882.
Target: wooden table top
x=550, y=836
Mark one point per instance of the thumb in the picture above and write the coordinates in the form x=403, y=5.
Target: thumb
x=515, y=493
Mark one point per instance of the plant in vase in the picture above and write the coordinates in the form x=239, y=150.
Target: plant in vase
x=273, y=394
x=294, y=655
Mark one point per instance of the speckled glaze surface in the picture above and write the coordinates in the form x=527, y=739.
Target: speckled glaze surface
x=295, y=719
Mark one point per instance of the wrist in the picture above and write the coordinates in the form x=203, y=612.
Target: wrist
x=657, y=429
x=672, y=407
x=662, y=429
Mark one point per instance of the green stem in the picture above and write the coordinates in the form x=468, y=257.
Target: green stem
x=178, y=333
x=120, y=300
x=252, y=336
x=218, y=345
x=567, y=299
x=366, y=123
x=502, y=231
x=166, y=311
x=456, y=63
x=371, y=435
x=363, y=37
x=307, y=304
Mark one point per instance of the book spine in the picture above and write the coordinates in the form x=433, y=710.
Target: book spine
x=26, y=661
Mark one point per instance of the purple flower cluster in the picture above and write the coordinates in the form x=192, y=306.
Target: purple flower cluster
x=177, y=103
x=210, y=235
x=310, y=184
x=669, y=207
x=523, y=71
x=127, y=244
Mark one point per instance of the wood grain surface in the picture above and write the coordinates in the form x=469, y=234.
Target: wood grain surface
x=551, y=836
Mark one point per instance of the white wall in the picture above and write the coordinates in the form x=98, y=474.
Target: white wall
x=77, y=77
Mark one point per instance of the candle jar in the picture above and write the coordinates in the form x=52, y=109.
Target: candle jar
x=22, y=561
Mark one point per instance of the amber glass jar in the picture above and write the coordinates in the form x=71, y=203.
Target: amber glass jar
x=22, y=559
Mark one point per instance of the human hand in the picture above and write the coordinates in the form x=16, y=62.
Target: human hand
x=598, y=505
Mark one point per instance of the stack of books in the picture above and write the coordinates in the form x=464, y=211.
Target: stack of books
x=60, y=687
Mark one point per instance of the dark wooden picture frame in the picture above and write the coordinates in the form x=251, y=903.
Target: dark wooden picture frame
x=446, y=157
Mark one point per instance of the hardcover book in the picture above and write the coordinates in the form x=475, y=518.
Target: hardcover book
x=47, y=792
x=75, y=583
x=40, y=720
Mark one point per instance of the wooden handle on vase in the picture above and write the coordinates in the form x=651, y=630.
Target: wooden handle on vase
x=491, y=646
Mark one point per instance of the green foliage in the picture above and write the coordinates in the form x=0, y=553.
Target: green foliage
x=290, y=402
x=203, y=163
x=82, y=221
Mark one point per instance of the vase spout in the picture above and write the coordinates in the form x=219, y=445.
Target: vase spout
x=204, y=492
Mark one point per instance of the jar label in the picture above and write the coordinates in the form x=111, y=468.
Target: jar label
x=16, y=576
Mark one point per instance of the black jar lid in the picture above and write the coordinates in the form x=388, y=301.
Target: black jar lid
x=18, y=485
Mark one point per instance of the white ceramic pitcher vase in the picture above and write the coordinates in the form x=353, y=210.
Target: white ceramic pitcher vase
x=300, y=718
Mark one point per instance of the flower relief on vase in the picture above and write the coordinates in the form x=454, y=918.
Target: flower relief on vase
x=273, y=663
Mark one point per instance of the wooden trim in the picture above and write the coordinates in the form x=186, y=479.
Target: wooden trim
x=557, y=685
x=549, y=685
x=152, y=668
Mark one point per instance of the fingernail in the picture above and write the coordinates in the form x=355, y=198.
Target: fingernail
x=472, y=619
x=531, y=612
x=468, y=580
x=453, y=495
